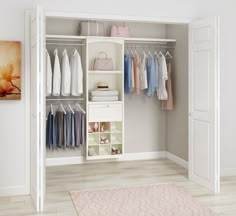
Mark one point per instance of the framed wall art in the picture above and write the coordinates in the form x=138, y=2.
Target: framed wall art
x=10, y=70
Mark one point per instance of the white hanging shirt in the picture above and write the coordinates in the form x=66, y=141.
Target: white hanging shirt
x=66, y=75
x=48, y=75
x=56, y=75
x=163, y=76
x=143, y=73
x=76, y=74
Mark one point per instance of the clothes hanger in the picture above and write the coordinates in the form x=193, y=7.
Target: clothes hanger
x=135, y=51
x=81, y=108
x=168, y=55
x=155, y=53
x=144, y=51
x=71, y=109
x=62, y=108
x=160, y=54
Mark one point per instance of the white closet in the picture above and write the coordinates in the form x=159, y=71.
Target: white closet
x=133, y=124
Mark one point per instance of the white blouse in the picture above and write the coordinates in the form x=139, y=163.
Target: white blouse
x=48, y=75
x=66, y=75
x=162, y=77
x=56, y=75
x=76, y=74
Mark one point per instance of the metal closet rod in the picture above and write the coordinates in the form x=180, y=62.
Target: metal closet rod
x=65, y=99
x=148, y=46
x=65, y=39
x=65, y=44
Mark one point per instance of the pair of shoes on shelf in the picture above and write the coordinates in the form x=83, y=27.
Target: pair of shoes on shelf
x=115, y=151
x=104, y=140
x=91, y=151
x=93, y=128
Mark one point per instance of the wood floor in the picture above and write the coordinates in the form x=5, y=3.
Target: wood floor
x=61, y=180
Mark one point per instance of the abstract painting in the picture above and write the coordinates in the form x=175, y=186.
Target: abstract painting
x=10, y=70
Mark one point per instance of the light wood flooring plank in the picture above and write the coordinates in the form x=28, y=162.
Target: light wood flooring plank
x=61, y=180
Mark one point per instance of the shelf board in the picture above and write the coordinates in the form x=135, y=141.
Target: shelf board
x=105, y=72
x=105, y=102
x=93, y=144
x=130, y=39
x=93, y=133
x=65, y=98
x=163, y=40
x=116, y=131
x=65, y=37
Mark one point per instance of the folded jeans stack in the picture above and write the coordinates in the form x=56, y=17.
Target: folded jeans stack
x=108, y=95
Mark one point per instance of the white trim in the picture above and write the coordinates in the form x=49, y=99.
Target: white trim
x=17, y=190
x=117, y=17
x=177, y=160
x=143, y=156
x=125, y=157
x=228, y=172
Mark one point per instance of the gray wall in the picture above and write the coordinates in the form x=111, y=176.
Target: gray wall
x=177, y=120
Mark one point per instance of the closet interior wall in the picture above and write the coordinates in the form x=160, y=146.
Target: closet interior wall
x=177, y=119
x=51, y=45
x=147, y=127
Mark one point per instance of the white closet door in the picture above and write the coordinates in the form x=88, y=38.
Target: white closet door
x=203, y=103
x=37, y=108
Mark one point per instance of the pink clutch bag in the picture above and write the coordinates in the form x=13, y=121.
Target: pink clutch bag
x=103, y=62
x=120, y=31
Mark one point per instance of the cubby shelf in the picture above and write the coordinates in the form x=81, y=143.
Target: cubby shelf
x=112, y=132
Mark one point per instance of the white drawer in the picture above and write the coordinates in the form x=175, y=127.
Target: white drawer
x=105, y=112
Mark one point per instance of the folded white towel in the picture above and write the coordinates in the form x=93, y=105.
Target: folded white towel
x=110, y=98
x=104, y=93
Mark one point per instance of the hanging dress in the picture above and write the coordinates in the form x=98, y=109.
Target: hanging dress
x=168, y=104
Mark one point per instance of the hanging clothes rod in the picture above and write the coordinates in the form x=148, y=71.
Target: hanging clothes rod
x=64, y=99
x=65, y=39
x=149, y=42
x=66, y=44
x=148, y=46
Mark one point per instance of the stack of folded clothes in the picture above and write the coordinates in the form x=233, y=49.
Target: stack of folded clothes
x=103, y=93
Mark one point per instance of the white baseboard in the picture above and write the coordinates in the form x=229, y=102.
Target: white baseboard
x=177, y=160
x=143, y=156
x=60, y=161
x=228, y=172
x=13, y=191
x=125, y=157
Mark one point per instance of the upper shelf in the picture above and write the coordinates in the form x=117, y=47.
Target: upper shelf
x=128, y=40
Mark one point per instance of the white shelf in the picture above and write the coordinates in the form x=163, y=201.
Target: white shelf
x=162, y=40
x=65, y=37
x=74, y=37
x=105, y=102
x=105, y=72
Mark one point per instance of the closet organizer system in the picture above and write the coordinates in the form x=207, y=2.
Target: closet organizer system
x=78, y=128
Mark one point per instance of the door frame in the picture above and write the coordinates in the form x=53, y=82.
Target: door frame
x=86, y=16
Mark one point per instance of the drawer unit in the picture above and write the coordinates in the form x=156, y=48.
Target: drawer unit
x=105, y=112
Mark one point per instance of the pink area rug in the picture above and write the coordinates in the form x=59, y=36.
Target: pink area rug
x=150, y=200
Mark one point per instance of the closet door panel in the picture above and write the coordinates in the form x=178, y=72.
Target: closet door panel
x=203, y=103
x=37, y=108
